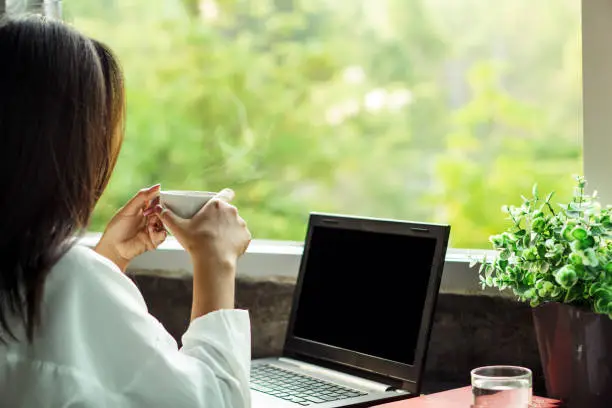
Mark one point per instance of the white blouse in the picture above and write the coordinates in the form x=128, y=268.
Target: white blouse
x=98, y=346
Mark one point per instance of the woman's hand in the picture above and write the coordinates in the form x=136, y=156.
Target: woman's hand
x=215, y=238
x=215, y=234
x=135, y=228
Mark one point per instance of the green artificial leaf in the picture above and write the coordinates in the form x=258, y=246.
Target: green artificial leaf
x=497, y=241
x=591, y=257
x=581, y=182
x=577, y=258
x=538, y=225
x=567, y=233
x=588, y=242
x=579, y=233
x=556, y=292
x=566, y=276
x=573, y=293
x=504, y=255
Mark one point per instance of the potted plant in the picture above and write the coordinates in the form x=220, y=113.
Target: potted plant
x=559, y=259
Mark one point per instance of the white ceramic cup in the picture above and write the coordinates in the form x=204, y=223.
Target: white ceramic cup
x=185, y=204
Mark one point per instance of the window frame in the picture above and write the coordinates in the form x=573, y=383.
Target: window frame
x=282, y=258
x=597, y=95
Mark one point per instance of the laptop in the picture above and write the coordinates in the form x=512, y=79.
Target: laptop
x=361, y=316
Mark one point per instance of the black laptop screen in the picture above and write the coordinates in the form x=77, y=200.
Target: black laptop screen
x=365, y=291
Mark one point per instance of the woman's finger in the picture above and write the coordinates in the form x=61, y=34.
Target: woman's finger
x=173, y=222
x=246, y=246
x=144, y=237
x=156, y=223
x=154, y=209
x=141, y=199
x=242, y=222
x=152, y=204
x=157, y=235
x=227, y=195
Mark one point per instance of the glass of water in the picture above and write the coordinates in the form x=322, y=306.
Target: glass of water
x=501, y=387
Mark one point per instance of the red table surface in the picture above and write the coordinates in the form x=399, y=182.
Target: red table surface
x=460, y=397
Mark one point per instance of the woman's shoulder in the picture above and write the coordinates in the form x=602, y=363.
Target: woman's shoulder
x=84, y=270
x=83, y=264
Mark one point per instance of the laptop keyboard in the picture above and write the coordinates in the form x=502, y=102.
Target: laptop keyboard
x=298, y=388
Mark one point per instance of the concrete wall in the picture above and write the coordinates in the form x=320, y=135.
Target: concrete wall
x=469, y=330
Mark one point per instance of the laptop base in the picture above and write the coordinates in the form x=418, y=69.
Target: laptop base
x=362, y=392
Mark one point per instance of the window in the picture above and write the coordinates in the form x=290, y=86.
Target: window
x=429, y=110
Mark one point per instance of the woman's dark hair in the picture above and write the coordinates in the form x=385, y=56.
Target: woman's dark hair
x=61, y=128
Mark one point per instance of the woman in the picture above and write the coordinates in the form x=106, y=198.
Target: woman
x=74, y=330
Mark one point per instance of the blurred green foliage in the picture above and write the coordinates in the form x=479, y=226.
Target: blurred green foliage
x=415, y=109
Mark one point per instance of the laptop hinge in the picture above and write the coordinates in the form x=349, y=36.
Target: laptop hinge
x=389, y=383
x=359, y=382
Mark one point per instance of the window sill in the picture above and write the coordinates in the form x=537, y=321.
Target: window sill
x=282, y=258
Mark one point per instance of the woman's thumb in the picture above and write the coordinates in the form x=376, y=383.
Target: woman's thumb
x=227, y=195
x=171, y=221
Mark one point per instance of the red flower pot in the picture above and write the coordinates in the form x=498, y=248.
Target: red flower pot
x=576, y=352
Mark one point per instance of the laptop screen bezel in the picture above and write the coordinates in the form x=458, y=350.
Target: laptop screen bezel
x=408, y=375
